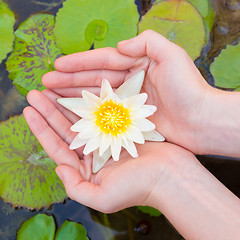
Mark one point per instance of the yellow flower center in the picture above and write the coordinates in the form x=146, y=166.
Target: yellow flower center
x=112, y=118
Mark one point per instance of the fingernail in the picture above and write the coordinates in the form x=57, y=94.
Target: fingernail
x=58, y=173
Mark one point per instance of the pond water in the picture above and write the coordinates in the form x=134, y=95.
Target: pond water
x=130, y=223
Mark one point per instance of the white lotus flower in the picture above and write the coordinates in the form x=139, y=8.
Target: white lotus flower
x=112, y=121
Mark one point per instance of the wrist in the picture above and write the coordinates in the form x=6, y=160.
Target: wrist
x=192, y=199
x=169, y=174
x=217, y=131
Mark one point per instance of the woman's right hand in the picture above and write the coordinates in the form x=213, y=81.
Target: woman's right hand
x=190, y=113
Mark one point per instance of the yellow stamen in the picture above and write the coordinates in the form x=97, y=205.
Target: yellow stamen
x=112, y=118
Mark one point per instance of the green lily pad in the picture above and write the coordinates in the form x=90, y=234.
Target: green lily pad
x=7, y=20
x=150, y=210
x=42, y=227
x=71, y=230
x=226, y=68
x=34, y=52
x=178, y=21
x=39, y=227
x=27, y=174
x=80, y=24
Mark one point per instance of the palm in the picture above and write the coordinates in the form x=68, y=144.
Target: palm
x=52, y=128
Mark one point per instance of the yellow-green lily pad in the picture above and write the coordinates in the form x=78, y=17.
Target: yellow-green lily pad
x=206, y=10
x=42, y=227
x=34, y=52
x=226, y=68
x=80, y=24
x=27, y=174
x=178, y=21
x=7, y=20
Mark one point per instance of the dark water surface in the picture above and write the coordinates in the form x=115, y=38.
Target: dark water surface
x=131, y=223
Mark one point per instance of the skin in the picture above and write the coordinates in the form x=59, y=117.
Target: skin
x=190, y=116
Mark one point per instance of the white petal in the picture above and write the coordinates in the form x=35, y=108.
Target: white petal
x=98, y=162
x=78, y=142
x=91, y=99
x=132, y=86
x=71, y=103
x=124, y=138
x=84, y=112
x=138, y=100
x=144, y=111
x=79, y=125
x=92, y=145
x=76, y=105
x=131, y=148
x=153, y=136
x=116, y=148
x=105, y=143
x=144, y=125
x=89, y=131
x=134, y=134
x=106, y=89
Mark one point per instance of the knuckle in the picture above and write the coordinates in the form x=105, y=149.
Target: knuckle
x=74, y=79
x=98, y=79
x=106, y=209
x=181, y=50
x=109, y=48
x=148, y=32
x=69, y=193
x=104, y=205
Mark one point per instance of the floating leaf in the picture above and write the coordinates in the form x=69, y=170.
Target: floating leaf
x=179, y=22
x=150, y=210
x=39, y=227
x=27, y=176
x=80, y=23
x=34, y=52
x=71, y=230
x=7, y=20
x=42, y=227
x=202, y=6
x=206, y=10
x=226, y=68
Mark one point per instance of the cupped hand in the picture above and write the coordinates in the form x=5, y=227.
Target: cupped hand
x=172, y=82
x=127, y=182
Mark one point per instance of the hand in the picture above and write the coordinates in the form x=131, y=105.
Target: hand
x=117, y=185
x=164, y=176
x=172, y=82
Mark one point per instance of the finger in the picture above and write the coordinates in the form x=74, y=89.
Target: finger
x=56, y=148
x=102, y=58
x=52, y=96
x=151, y=44
x=53, y=117
x=84, y=192
x=77, y=92
x=70, y=116
x=91, y=78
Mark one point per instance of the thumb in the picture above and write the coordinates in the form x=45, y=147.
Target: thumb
x=148, y=43
x=78, y=189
